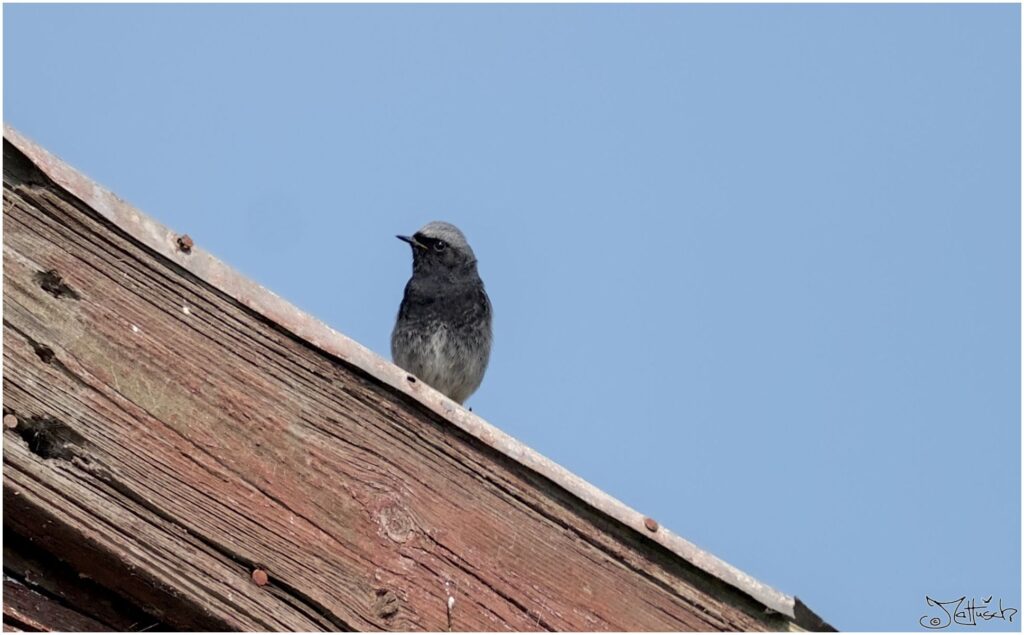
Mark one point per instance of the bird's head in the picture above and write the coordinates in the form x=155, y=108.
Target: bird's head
x=440, y=246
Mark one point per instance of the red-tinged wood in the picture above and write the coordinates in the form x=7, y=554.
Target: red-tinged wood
x=170, y=442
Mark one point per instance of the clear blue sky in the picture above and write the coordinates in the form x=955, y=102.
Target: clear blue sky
x=756, y=269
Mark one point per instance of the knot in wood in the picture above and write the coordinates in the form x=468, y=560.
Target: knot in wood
x=385, y=604
x=395, y=522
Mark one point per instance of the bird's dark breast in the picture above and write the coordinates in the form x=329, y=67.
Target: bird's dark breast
x=457, y=305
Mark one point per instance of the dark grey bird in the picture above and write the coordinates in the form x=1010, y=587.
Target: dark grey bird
x=443, y=332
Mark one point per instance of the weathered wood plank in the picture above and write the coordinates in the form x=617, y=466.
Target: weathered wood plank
x=26, y=609
x=36, y=569
x=174, y=440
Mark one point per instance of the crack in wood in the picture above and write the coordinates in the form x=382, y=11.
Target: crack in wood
x=49, y=597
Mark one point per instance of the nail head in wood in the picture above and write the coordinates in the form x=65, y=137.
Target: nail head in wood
x=10, y=422
x=185, y=243
x=259, y=576
x=651, y=524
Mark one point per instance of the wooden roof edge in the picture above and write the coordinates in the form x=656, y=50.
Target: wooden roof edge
x=205, y=266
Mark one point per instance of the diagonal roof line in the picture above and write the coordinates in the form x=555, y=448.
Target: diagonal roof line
x=316, y=333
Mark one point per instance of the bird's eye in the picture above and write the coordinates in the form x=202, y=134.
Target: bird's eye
x=440, y=245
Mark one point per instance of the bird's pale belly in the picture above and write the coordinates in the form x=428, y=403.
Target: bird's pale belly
x=444, y=359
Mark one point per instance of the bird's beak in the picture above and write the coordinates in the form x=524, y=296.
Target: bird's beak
x=412, y=241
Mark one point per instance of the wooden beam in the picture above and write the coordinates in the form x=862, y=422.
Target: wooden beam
x=176, y=445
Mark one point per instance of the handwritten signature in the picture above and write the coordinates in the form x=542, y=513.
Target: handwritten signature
x=957, y=612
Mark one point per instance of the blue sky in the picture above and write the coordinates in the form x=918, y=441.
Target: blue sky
x=755, y=269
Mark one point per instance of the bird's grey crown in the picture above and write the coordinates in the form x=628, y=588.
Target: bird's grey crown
x=448, y=233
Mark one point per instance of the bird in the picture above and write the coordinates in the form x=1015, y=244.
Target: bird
x=443, y=331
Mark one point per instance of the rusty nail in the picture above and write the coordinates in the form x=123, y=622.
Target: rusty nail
x=10, y=422
x=651, y=524
x=185, y=243
x=259, y=576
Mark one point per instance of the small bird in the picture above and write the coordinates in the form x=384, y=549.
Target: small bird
x=443, y=331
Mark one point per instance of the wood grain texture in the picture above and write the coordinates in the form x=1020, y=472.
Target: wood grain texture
x=25, y=609
x=169, y=441
x=29, y=566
